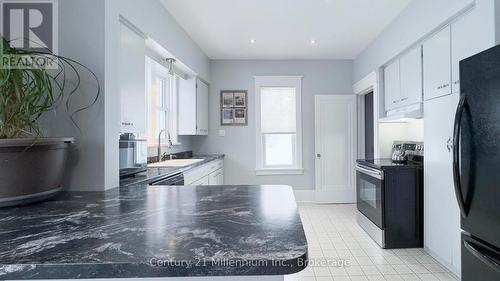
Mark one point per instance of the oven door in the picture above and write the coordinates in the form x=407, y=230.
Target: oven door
x=370, y=194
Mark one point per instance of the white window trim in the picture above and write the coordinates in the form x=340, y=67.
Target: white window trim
x=278, y=81
x=153, y=69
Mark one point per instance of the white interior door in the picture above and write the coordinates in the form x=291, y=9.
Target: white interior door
x=335, y=133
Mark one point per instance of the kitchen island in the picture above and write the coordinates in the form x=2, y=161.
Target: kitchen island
x=141, y=231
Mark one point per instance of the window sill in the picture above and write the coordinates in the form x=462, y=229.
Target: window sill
x=273, y=172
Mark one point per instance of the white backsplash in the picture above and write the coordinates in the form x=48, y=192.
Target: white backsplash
x=185, y=145
x=410, y=130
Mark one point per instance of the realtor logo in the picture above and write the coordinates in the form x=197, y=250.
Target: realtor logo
x=29, y=26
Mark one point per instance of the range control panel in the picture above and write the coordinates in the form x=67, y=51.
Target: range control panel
x=410, y=148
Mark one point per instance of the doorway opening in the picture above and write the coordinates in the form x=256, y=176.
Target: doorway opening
x=367, y=99
x=369, y=152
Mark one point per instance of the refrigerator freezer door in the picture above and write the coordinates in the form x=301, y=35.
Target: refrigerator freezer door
x=479, y=261
x=477, y=146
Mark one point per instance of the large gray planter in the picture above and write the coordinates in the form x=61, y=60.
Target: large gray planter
x=31, y=170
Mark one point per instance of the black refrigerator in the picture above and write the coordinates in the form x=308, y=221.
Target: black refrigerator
x=476, y=165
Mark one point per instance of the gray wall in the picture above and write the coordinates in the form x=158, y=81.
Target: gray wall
x=82, y=40
x=417, y=21
x=320, y=77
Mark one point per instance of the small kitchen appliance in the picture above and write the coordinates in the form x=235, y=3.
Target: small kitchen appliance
x=404, y=151
x=133, y=156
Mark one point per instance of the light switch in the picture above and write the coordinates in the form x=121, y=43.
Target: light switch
x=222, y=133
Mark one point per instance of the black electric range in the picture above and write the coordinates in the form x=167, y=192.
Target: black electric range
x=390, y=201
x=387, y=163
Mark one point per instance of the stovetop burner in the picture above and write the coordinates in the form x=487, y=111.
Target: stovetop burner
x=415, y=161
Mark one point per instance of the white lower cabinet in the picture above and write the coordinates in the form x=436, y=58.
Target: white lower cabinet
x=216, y=178
x=211, y=173
x=441, y=211
x=203, y=181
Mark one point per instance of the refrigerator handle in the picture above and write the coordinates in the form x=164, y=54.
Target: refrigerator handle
x=456, y=155
x=491, y=262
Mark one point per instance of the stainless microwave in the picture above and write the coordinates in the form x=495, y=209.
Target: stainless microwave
x=133, y=157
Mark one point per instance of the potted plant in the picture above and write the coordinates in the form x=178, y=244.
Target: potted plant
x=31, y=166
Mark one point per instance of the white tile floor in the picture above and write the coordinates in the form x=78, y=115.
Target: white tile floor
x=339, y=250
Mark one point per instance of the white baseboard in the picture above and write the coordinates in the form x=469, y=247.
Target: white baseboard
x=304, y=195
x=338, y=196
x=455, y=271
x=312, y=196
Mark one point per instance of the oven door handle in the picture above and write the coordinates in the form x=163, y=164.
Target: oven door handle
x=371, y=172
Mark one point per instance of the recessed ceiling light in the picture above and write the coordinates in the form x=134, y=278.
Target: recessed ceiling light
x=313, y=42
x=252, y=41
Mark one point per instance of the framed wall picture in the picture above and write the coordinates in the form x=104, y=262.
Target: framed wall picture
x=234, y=111
x=227, y=116
x=240, y=99
x=227, y=99
x=240, y=116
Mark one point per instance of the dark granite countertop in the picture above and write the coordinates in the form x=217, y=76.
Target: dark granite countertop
x=144, y=231
x=154, y=174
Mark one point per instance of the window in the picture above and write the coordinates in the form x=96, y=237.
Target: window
x=279, y=125
x=161, y=103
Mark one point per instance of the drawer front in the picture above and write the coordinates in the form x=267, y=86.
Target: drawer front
x=202, y=171
x=216, y=178
x=215, y=165
x=202, y=181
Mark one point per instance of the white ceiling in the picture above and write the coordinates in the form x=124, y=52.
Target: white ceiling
x=283, y=29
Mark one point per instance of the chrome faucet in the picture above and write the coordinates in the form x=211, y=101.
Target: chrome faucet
x=169, y=142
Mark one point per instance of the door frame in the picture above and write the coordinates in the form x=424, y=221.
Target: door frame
x=361, y=88
x=322, y=197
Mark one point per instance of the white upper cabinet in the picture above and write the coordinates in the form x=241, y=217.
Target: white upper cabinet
x=437, y=65
x=403, y=80
x=392, y=86
x=132, y=81
x=468, y=37
x=187, y=106
x=411, y=77
x=201, y=108
x=193, y=107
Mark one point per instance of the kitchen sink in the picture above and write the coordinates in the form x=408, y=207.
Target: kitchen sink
x=174, y=163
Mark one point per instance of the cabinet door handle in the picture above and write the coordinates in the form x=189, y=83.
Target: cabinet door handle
x=449, y=144
x=446, y=85
x=404, y=99
x=456, y=155
x=456, y=82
